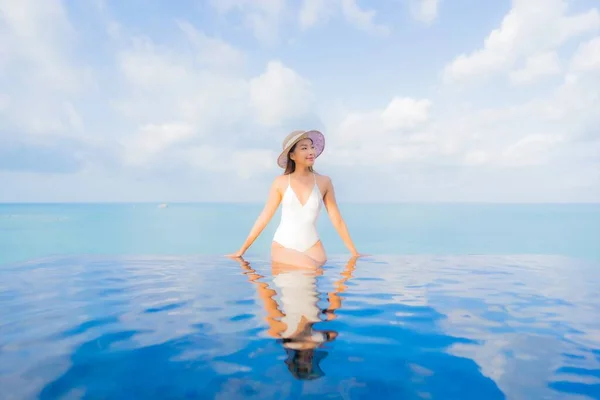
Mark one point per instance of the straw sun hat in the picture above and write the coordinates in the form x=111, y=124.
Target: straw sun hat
x=290, y=140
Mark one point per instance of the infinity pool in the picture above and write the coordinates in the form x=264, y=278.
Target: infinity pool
x=385, y=327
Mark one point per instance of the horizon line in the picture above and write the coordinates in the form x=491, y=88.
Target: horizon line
x=597, y=202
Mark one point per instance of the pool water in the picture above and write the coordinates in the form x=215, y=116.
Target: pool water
x=385, y=327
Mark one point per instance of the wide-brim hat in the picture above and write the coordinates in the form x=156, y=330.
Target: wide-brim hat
x=290, y=140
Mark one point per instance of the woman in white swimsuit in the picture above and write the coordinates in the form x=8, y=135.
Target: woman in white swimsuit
x=301, y=194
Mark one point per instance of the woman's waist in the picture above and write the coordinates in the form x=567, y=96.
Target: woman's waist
x=297, y=225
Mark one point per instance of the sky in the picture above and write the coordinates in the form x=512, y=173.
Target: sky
x=419, y=100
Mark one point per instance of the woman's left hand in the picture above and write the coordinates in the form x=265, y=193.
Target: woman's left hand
x=237, y=254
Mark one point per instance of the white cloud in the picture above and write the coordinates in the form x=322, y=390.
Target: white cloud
x=267, y=6
x=531, y=150
x=405, y=113
x=476, y=157
x=184, y=103
x=211, y=51
x=524, y=32
x=39, y=35
x=537, y=66
x=158, y=105
x=424, y=10
x=245, y=163
x=401, y=114
x=280, y=94
x=587, y=57
x=263, y=17
x=38, y=73
x=314, y=11
x=268, y=19
x=362, y=19
x=152, y=139
x=144, y=65
x=394, y=134
x=544, y=130
x=182, y=86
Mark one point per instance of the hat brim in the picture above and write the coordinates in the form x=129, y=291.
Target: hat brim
x=318, y=141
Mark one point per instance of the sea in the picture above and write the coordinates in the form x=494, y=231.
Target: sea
x=450, y=301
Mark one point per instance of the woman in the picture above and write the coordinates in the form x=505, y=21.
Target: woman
x=301, y=193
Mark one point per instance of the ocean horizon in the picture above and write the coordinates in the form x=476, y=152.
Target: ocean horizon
x=33, y=230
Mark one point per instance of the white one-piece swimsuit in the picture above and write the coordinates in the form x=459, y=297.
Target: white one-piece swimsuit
x=298, y=225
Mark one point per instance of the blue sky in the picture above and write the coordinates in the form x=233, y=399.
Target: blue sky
x=420, y=100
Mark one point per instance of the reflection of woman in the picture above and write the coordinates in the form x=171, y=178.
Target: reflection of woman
x=301, y=193
x=293, y=324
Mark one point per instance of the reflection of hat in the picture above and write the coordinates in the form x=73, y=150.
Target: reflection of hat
x=304, y=364
x=290, y=140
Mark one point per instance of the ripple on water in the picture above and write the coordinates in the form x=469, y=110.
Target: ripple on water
x=476, y=327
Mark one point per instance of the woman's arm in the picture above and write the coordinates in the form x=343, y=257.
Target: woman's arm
x=336, y=218
x=263, y=219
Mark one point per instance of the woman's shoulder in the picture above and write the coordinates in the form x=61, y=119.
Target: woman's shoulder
x=280, y=180
x=322, y=178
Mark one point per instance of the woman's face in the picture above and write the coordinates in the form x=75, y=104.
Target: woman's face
x=304, y=153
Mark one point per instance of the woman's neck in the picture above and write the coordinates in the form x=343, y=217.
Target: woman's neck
x=302, y=172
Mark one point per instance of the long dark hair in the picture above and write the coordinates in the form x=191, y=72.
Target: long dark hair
x=291, y=164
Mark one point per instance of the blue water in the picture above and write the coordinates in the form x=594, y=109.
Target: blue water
x=455, y=302
x=28, y=231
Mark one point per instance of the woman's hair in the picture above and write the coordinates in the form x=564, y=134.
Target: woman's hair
x=291, y=164
x=305, y=364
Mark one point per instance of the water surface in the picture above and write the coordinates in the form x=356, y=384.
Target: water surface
x=388, y=327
